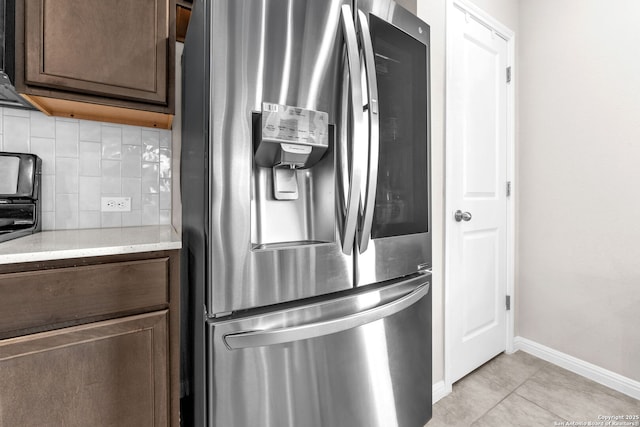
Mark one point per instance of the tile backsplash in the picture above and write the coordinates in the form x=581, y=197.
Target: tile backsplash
x=83, y=161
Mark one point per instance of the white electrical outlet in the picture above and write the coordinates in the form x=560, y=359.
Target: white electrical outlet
x=115, y=204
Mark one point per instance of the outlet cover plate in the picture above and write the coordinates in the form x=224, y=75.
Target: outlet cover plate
x=115, y=204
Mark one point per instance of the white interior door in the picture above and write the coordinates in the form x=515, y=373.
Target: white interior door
x=476, y=181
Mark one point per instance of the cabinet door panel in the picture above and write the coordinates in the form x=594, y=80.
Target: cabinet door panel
x=105, y=373
x=116, y=48
x=50, y=297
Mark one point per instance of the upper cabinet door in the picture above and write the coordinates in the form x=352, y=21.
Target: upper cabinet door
x=115, y=48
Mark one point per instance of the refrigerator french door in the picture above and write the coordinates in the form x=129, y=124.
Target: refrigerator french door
x=395, y=233
x=305, y=177
x=274, y=58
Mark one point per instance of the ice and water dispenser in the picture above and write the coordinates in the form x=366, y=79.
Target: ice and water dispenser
x=293, y=194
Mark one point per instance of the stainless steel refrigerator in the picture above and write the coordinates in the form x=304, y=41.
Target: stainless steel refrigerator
x=306, y=215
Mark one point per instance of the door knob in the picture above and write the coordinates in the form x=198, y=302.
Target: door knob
x=462, y=216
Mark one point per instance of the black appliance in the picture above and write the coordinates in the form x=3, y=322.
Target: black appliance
x=19, y=195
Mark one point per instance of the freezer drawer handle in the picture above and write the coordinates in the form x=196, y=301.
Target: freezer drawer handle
x=260, y=338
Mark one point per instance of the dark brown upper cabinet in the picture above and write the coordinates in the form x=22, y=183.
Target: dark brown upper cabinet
x=79, y=55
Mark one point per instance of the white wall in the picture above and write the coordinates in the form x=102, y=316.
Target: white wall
x=434, y=13
x=579, y=207
x=504, y=11
x=176, y=137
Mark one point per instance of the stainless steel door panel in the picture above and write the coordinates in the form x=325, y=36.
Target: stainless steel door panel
x=399, y=254
x=393, y=257
x=377, y=374
x=279, y=51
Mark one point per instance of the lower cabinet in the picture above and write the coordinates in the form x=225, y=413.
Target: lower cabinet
x=111, y=373
x=90, y=342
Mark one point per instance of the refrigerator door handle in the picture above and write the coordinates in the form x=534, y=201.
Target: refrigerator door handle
x=374, y=132
x=356, y=133
x=258, y=338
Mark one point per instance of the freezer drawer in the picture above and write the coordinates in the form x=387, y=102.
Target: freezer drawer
x=361, y=359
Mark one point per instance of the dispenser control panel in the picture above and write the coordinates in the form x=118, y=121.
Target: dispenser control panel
x=290, y=136
x=283, y=123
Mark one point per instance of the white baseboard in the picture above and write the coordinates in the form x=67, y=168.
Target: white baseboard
x=595, y=373
x=439, y=391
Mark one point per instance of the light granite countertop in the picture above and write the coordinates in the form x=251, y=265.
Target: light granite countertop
x=64, y=244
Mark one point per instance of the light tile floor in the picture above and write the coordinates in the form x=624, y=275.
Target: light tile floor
x=521, y=390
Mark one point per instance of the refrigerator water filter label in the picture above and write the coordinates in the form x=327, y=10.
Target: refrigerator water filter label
x=283, y=123
x=291, y=136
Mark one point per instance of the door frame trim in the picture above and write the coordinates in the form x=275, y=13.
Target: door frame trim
x=502, y=31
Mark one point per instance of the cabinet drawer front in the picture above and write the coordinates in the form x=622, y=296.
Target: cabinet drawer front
x=53, y=297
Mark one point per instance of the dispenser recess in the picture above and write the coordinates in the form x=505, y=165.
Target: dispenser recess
x=293, y=178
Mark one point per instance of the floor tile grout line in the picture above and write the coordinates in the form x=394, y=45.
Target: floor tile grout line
x=490, y=409
x=590, y=383
x=523, y=381
x=587, y=389
x=509, y=394
x=536, y=370
x=541, y=407
x=527, y=379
